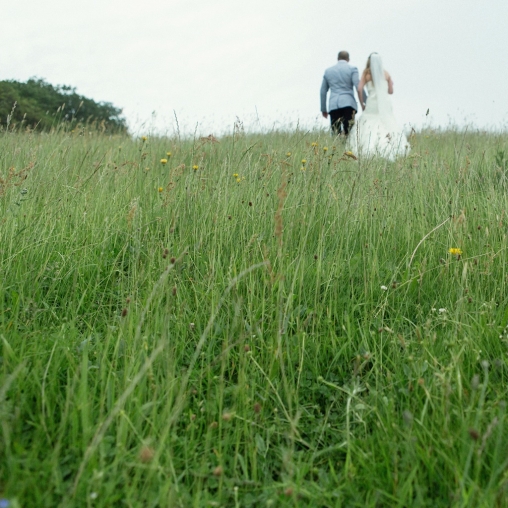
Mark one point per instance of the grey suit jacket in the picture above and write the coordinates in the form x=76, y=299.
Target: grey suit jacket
x=341, y=80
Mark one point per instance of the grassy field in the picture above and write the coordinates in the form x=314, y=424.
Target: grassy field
x=260, y=321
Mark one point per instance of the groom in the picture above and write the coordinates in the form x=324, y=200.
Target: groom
x=341, y=80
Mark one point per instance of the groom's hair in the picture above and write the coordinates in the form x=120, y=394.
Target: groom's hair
x=343, y=55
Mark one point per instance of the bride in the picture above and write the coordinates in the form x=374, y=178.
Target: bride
x=377, y=132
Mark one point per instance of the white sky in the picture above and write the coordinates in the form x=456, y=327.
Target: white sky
x=262, y=60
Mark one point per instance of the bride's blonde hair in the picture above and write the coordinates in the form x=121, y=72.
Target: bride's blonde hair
x=366, y=71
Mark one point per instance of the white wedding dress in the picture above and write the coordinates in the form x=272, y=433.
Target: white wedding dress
x=376, y=132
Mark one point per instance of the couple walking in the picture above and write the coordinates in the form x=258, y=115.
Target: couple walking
x=376, y=132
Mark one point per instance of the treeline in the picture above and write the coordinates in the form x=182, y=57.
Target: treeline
x=39, y=105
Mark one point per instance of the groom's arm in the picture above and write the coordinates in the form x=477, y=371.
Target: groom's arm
x=324, y=90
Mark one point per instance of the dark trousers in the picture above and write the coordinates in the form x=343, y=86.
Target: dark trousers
x=342, y=118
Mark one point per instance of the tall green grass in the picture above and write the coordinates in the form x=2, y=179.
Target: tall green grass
x=237, y=327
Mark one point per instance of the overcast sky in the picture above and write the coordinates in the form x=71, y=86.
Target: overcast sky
x=263, y=60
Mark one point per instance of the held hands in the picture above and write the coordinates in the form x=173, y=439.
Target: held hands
x=325, y=114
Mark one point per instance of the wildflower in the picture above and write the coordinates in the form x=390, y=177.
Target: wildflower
x=455, y=252
x=235, y=175
x=164, y=161
x=168, y=154
x=350, y=155
x=325, y=149
x=384, y=288
x=143, y=138
x=304, y=161
x=160, y=189
x=195, y=167
x=147, y=169
x=238, y=180
x=442, y=310
x=218, y=471
x=303, y=168
x=288, y=154
x=313, y=144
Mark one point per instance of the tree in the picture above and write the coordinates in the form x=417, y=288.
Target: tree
x=38, y=104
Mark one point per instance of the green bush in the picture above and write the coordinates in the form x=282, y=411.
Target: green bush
x=38, y=104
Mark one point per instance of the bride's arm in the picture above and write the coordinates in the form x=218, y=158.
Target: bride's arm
x=360, y=91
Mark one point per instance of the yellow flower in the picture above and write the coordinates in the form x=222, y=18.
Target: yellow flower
x=147, y=169
x=288, y=154
x=238, y=180
x=304, y=161
x=455, y=251
x=325, y=149
x=303, y=168
x=235, y=175
x=313, y=144
x=195, y=167
x=168, y=154
x=160, y=189
x=143, y=138
x=164, y=161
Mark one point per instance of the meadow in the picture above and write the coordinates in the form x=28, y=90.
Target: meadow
x=255, y=320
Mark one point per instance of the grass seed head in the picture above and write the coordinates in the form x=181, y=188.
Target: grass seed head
x=146, y=454
x=474, y=434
